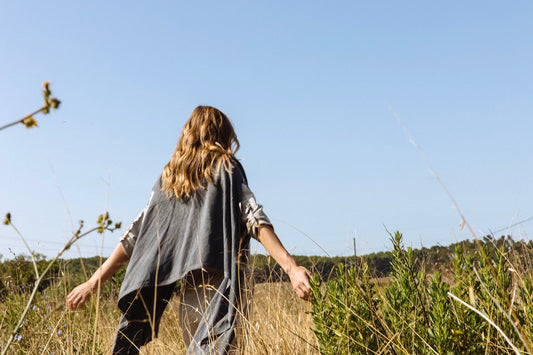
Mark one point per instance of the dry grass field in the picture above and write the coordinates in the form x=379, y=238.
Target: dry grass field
x=280, y=323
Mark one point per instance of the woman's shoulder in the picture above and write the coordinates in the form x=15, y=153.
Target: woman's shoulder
x=158, y=183
x=239, y=169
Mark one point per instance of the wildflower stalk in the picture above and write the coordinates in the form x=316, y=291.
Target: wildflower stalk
x=7, y=221
x=104, y=223
x=49, y=103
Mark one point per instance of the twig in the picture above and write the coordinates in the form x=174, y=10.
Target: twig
x=22, y=119
x=49, y=102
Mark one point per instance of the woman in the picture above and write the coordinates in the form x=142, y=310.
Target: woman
x=195, y=230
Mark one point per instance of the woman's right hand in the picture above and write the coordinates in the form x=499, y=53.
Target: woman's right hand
x=79, y=295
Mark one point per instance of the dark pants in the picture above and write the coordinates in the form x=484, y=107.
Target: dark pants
x=141, y=320
x=197, y=289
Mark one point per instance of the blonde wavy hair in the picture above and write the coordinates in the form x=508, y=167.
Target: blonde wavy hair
x=206, y=142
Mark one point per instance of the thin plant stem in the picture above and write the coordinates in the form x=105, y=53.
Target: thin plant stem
x=515, y=349
x=98, y=290
x=53, y=332
x=464, y=222
x=507, y=315
x=304, y=234
x=77, y=235
x=27, y=247
x=22, y=119
x=300, y=338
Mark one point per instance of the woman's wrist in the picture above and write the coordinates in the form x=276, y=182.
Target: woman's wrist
x=289, y=265
x=92, y=283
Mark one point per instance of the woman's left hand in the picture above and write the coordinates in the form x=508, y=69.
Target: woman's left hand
x=300, y=277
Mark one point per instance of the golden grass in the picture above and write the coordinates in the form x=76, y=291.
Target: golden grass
x=280, y=323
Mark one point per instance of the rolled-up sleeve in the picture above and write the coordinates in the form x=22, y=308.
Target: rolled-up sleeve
x=252, y=213
x=129, y=238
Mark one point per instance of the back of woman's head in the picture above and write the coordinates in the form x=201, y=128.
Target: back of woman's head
x=207, y=142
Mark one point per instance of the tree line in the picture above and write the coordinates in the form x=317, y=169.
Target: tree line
x=17, y=274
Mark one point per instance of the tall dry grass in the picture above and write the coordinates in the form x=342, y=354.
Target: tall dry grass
x=280, y=323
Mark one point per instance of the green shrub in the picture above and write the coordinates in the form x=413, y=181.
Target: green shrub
x=415, y=313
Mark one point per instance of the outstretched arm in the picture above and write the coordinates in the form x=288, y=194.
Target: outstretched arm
x=299, y=275
x=81, y=293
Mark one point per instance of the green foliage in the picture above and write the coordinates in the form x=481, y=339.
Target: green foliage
x=17, y=274
x=414, y=313
x=344, y=312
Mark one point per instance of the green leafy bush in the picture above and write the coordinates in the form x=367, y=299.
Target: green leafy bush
x=419, y=314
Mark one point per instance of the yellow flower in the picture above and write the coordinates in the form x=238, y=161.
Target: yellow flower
x=54, y=103
x=29, y=122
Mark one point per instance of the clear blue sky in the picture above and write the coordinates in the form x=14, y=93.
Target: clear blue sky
x=310, y=87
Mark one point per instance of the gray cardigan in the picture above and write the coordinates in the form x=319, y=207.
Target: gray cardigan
x=252, y=214
x=175, y=237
